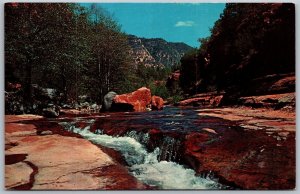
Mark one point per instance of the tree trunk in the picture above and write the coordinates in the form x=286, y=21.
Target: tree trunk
x=27, y=96
x=64, y=83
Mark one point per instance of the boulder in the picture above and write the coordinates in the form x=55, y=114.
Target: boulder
x=44, y=94
x=66, y=106
x=51, y=111
x=95, y=108
x=107, y=101
x=47, y=132
x=157, y=103
x=138, y=101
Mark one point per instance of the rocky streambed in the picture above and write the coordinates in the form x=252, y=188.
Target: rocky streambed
x=176, y=148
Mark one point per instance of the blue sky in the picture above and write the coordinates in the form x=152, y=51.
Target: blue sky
x=174, y=22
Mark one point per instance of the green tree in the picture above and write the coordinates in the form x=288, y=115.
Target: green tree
x=249, y=40
x=38, y=44
x=109, y=60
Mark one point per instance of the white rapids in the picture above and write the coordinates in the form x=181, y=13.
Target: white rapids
x=144, y=165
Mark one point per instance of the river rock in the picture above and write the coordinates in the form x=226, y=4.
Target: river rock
x=107, y=101
x=48, y=132
x=157, y=103
x=138, y=100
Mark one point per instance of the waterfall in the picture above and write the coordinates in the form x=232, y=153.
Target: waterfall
x=169, y=149
x=153, y=168
x=168, y=146
x=141, y=137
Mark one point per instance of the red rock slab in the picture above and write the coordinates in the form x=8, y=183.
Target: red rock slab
x=271, y=96
x=190, y=101
x=57, y=157
x=283, y=83
x=245, y=112
x=118, y=175
x=19, y=129
x=207, y=101
x=256, y=118
x=284, y=101
x=246, y=160
x=251, y=159
x=44, y=125
x=139, y=99
x=17, y=118
x=61, y=163
x=15, y=127
x=17, y=174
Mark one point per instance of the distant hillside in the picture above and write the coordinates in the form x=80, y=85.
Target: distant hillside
x=156, y=51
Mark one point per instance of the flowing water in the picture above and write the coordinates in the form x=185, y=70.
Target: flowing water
x=154, y=168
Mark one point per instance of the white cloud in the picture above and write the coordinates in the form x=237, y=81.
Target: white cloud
x=185, y=24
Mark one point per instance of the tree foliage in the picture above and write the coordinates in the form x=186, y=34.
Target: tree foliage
x=38, y=43
x=151, y=77
x=64, y=46
x=249, y=40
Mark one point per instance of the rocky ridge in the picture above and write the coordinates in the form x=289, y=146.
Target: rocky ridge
x=156, y=52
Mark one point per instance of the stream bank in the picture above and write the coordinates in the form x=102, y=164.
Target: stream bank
x=224, y=148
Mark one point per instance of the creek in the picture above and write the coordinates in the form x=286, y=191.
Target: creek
x=156, y=162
